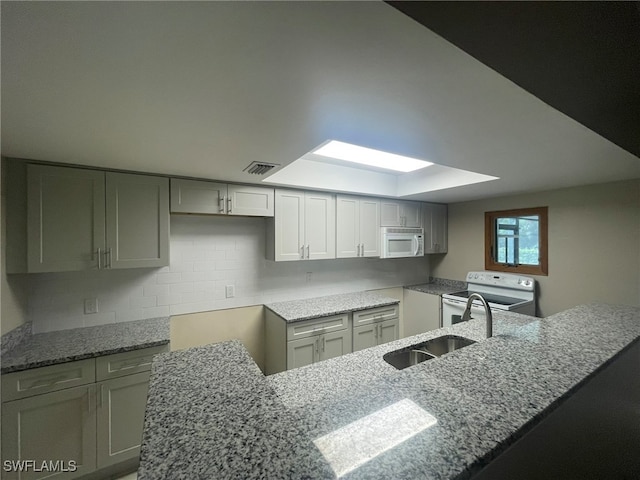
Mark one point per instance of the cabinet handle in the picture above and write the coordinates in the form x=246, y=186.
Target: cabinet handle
x=229, y=205
x=323, y=343
x=221, y=202
x=99, y=255
x=308, y=251
x=317, y=342
x=110, y=252
x=302, y=252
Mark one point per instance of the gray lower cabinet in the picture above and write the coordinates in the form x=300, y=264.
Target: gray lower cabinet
x=377, y=333
x=57, y=426
x=375, y=326
x=120, y=417
x=306, y=351
x=293, y=345
x=86, y=415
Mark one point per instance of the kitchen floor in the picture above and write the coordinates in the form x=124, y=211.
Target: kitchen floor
x=131, y=476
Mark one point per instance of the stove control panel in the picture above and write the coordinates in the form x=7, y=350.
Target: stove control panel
x=506, y=280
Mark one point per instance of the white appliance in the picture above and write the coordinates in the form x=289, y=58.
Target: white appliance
x=502, y=291
x=399, y=242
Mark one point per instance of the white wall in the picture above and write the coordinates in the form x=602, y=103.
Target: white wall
x=594, y=243
x=207, y=253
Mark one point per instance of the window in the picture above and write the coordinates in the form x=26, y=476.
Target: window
x=516, y=241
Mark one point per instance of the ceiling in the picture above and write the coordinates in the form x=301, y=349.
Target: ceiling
x=202, y=89
x=582, y=58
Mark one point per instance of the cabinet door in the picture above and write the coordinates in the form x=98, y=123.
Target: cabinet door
x=411, y=214
x=435, y=226
x=54, y=426
x=137, y=220
x=195, y=196
x=347, y=226
x=390, y=214
x=120, y=418
x=65, y=218
x=370, y=227
x=334, y=344
x=303, y=351
x=365, y=336
x=250, y=201
x=388, y=331
x=289, y=225
x=320, y=225
x=439, y=236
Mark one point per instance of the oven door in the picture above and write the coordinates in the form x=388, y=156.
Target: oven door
x=452, y=310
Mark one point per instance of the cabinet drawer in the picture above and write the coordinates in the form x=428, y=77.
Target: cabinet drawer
x=47, y=379
x=126, y=363
x=375, y=315
x=317, y=326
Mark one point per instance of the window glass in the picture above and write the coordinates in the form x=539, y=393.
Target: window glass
x=516, y=240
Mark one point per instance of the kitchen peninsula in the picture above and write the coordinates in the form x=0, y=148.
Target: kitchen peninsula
x=211, y=413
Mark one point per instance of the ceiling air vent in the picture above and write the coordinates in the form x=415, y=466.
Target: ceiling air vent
x=260, y=168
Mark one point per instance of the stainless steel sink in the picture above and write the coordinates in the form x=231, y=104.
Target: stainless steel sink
x=421, y=352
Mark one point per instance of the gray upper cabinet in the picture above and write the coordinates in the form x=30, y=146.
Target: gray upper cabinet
x=435, y=228
x=211, y=198
x=400, y=213
x=80, y=219
x=65, y=218
x=137, y=221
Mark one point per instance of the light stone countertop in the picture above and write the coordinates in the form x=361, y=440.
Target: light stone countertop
x=42, y=349
x=298, y=310
x=211, y=413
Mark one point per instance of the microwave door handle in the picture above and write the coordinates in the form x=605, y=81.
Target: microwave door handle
x=415, y=239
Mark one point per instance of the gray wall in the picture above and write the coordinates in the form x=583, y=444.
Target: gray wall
x=594, y=243
x=13, y=288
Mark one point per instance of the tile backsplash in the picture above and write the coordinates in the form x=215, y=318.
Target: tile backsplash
x=207, y=254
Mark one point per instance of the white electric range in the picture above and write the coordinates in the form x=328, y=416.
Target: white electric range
x=502, y=291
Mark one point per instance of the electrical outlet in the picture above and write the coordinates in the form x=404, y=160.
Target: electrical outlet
x=309, y=276
x=229, y=291
x=90, y=305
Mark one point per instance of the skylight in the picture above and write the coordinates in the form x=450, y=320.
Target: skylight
x=368, y=156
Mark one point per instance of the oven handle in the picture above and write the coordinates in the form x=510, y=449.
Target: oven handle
x=462, y=304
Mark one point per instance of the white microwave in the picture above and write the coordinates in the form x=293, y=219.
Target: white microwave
x=400, y=242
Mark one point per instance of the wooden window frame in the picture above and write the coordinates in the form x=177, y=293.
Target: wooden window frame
x=489, y=241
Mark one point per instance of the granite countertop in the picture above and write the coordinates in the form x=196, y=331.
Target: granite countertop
x=211, y=414
x=297, y=310
x=438, y=286
x=50, y=348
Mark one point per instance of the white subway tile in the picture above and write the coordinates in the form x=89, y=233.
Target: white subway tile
x=181, y=287
x=143, y=302
x=153, y=290
x=169, y=277
x=169, y=299
x=194, y=276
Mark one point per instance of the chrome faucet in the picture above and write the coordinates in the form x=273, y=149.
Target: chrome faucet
x=467, y=312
